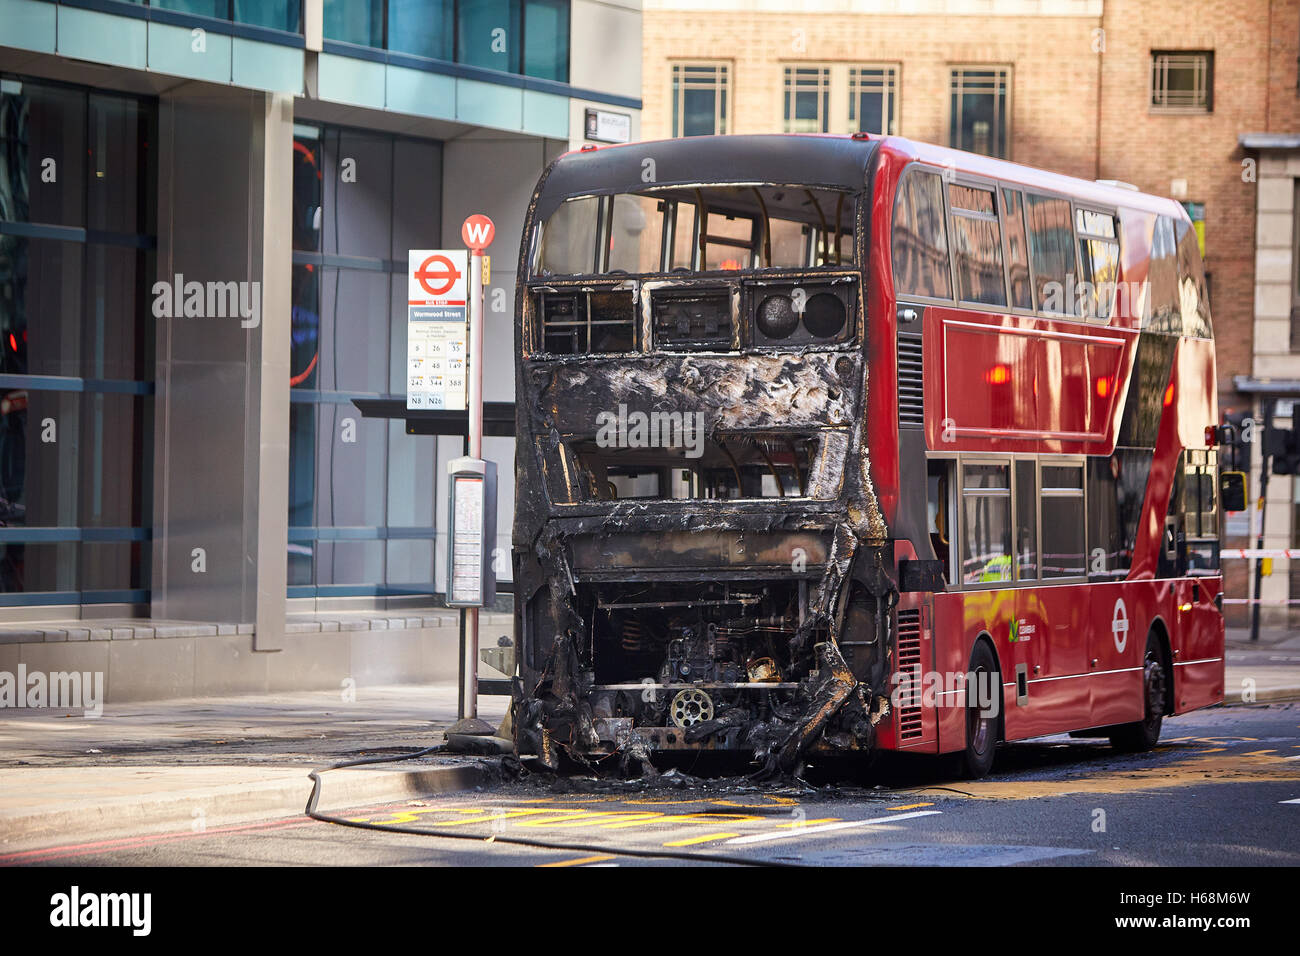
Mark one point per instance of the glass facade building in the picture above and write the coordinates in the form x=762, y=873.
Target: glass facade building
x=527, y=37
x=77, y=196
x=173, y=466
x=360, y=490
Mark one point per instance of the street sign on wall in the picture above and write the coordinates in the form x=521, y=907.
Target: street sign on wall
x=436, y=329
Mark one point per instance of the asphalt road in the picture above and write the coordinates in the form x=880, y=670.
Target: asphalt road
x=1223, y=788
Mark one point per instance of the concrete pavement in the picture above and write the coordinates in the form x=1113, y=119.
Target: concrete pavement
x=205, y=763
x=1263, y=670
x=214, y=762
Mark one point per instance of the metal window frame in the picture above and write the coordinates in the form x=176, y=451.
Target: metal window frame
x=1081, y=237
x=990, y=186
x=1003, y=189
x=916, y=169
x=957, y=73
x=890, y=85
x=1201, y=62
x=678, y=86
x=791, y=87
x=1009, y=493
x=1062, y=461
x=1026, y=194
x=957, y=529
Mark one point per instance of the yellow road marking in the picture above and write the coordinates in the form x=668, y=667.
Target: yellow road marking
x=796, y=824
x=582, y=818
x=579, y=861
x=910, y=806
x=691, y=841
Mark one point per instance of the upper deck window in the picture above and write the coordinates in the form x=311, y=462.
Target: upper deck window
x=977, y=245
x=1098, y=262
x=1051, y=251
x=920, y=239
x=709, y=229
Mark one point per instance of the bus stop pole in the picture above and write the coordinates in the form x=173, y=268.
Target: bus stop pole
x=475, y=414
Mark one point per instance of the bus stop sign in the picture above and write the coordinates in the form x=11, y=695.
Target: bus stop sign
x=478, y=232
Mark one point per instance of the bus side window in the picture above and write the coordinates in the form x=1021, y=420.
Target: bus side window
x=919, y=239
x=1051, y=252
x=986, y=550
x=1164, y=312
x=939, y=509
x=1026, y=521
x=1193, y=295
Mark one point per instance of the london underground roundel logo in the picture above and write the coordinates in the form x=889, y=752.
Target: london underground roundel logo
x=1119, y=625
x=437, y=275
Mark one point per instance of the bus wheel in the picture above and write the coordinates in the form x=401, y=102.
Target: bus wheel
x=981, y=721
x=1143, y=734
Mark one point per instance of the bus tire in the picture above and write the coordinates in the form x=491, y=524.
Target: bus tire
x=981, y=724
x=1142, y=734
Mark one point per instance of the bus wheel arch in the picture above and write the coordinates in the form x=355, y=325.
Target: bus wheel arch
x=1159, y=630
x=982, y=731
x=1157, y=685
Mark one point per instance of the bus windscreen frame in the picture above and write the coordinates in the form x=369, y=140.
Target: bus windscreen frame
x=700, y=230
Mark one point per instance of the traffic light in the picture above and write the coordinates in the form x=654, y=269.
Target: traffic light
x=1235, y=436
x=1281, y=445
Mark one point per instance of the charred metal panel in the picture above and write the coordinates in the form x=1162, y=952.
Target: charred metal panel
x=698, y=549
x=755, y=392
x=758, y=622
x=802, y=160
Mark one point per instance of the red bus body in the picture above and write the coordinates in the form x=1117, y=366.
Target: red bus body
x=1078, y=676
x=1012, y=390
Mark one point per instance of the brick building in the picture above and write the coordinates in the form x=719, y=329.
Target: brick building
x=1197, y=100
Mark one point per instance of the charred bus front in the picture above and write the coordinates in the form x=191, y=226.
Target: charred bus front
x=700, y=560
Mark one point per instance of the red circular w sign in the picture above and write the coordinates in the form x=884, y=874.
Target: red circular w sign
x=477, y=232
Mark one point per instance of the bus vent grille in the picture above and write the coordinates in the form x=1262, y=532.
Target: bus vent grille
x=911, y=381
x=909, y=669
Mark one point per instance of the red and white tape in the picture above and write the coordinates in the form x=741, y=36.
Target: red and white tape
x=1260, y=553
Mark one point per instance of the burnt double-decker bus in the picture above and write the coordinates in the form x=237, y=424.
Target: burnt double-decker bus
x=852, y=443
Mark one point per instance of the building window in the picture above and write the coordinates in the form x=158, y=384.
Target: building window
x=419, y=27
x=77, y=256
x=979, y=111
x=873, y=100
x=274, y=14
x=361, y=492
x=699, y=99
x=807, y=99
x=528, y=37
x=1182, y=81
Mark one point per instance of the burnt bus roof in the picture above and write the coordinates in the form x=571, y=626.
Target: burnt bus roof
x=807, y=159
x=794, y=159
